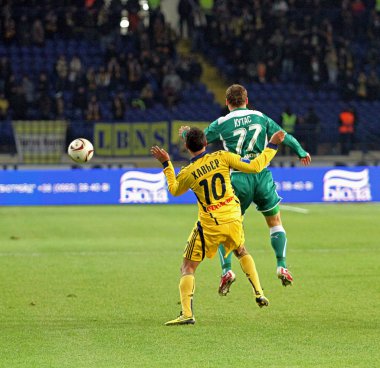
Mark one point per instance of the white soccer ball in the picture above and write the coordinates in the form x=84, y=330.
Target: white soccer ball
x=80, y=150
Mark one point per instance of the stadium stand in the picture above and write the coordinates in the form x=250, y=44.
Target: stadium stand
x=323, y=54
x=69, y=61
x=62, y=60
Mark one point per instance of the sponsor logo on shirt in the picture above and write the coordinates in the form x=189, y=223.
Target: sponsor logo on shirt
x=214, y=207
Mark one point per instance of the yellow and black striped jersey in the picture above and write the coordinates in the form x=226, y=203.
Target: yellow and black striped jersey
x=208, y=176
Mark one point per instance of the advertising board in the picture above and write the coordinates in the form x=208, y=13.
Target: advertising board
x=148, y=186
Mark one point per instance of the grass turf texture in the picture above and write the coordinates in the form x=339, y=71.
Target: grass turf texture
x=92, y=287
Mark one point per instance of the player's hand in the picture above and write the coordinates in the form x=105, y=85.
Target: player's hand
x=184, y=128
x=306, y=160
x=277, y=137
x=160, y=154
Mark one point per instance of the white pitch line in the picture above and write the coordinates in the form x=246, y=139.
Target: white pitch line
x=294, y=209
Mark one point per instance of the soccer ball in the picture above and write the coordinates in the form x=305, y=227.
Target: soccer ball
x=80, y=150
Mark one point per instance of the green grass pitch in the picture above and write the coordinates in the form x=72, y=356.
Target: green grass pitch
x=92, y=287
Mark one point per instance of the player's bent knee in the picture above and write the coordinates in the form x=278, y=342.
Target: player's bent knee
x=240, y=252
x=272, y=216
x=188, y=267
x=274, y=220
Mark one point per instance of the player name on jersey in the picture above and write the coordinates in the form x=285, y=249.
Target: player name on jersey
x=242, y=121
x=204, y=169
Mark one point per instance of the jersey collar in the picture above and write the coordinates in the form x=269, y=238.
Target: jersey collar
x=240, y=108
x=195, y=158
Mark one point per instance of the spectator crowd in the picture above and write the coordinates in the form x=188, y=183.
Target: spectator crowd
x=103, y=75
x=66, y=59
x=323, y=43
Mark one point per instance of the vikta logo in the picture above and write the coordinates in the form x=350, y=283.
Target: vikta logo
x=346, y=186
x=142, y=187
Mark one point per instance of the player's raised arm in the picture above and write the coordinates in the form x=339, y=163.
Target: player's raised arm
x=291, y=142
x=306, y=161
x=160, y=154
x=212, y=132
x=183, y=130
x=261, y=161
x=176, y=185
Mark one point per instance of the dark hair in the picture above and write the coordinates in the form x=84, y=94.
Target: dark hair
x=236, y=95
x=195, y=139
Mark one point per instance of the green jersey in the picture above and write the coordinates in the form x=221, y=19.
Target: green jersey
x=246, y=132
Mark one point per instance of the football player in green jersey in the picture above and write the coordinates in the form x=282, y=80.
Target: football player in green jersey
x=245, y=132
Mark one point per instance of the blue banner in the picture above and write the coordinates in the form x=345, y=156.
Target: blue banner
x=334, y=184
x=133, y=186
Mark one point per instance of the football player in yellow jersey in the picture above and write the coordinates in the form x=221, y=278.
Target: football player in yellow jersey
x=219, y=213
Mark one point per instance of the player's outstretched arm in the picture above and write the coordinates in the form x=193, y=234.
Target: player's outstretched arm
x=211, y=132
x=183, y=130
x=291, y=142
x=278, y=137
x=176, y=185
x=160, y=154
x=306, y=161
x=296, y=147
x=261, y=161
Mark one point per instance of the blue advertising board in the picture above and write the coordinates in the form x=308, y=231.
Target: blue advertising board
x=133, y=186
x=333, y=184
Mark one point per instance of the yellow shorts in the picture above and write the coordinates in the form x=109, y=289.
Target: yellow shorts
x=204, y=241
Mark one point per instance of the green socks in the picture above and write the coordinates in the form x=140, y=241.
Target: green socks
x=225, y=262
x=278, y=241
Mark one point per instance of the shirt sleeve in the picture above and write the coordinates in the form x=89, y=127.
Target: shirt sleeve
x=296, y=147
x=177, y=185
x=212, y=132
x=255, y=166
x=289, y=140
x=272, y=127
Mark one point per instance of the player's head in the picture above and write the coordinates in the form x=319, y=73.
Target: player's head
x=195, y=140
x=236, y=96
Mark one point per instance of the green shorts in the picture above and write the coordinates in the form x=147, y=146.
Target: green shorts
x=257, y=188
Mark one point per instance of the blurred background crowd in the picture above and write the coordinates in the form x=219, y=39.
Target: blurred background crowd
x=303, y=62
x=330, y=44
x=61, y=60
